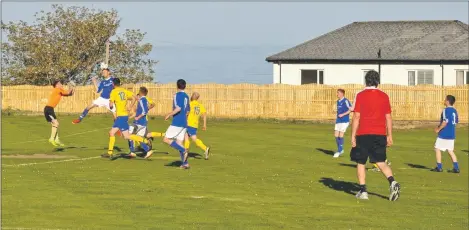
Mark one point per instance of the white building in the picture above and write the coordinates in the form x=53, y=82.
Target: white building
x=404, y=52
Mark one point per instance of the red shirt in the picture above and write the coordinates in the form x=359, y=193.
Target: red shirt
x=373, y=105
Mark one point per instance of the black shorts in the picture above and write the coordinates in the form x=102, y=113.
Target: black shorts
x=49, y=114
x=369, y=146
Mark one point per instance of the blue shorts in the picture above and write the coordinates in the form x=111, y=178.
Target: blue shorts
x=122, y=123
x=191, y=131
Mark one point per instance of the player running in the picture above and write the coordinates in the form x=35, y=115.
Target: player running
x=49, y=113
x=118, y=99
x=105, y=87
x=342, y=121
x=196, y=110
x=140, y=123
x=446, y=135
x=176, y=132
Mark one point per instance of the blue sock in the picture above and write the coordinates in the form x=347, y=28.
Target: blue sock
x=131, y=146
x=145, y=147
x=439, y=165
x=177, y=147
x=341, y=144
x=83, y=115
x=456, y=165
x=338, y=143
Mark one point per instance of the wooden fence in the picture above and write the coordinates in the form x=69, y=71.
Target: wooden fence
x=310, y=102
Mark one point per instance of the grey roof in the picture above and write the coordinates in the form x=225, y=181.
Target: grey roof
x=398, y=40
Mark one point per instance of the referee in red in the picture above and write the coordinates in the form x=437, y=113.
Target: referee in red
x=372, y=133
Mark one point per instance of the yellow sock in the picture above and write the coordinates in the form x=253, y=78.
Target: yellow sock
x=187, y=143
x=138, y=138
x=156, y=134
x=375, y=165
x=201, y=145
x=112, y=140
x=53, y=133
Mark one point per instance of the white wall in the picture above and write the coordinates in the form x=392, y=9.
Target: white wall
x=337, y=74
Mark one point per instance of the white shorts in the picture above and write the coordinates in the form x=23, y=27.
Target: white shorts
x=103, y=102
x=175, y=132
x=139, y=130
x=341, y=127
x=444, y=144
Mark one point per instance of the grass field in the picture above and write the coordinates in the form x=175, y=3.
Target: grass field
x=261, y=176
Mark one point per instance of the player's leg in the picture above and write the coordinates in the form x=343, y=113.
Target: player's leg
x=112, y=140
x=336, y=136
x=180, y=141
x=54, y=132
x=201, y=145
x=439, y=146
x=187, y=141
x=359, y=155
x=450, y=146
x=131, y=142
x=85, y=112
x=378, y=156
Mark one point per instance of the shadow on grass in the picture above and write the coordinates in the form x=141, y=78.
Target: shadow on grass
x=325, y=151
x=467, y=151
x=415, y=166
x=116, y=148
x=61, y=149
x=195, y=155
x=348, y=165
x=174, y=164
x=345, y=186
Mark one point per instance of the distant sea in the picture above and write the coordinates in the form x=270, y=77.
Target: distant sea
x=221, y=64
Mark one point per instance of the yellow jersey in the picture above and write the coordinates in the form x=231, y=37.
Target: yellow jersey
x=120, y=96
x=197, y=109
x=150, y=102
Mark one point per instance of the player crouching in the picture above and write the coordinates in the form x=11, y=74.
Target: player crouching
x=139, y=126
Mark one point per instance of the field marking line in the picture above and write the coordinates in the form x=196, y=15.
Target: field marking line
x=51, y=162
x=70, y=135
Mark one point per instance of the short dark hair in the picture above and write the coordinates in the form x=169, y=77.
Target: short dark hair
x=181, y=84
x=372, y=78
x=451, y=99
x=341, y=90
x=143, y=90
x=55, y=82
x=116, y=81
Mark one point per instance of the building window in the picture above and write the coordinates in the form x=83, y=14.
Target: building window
x=312, y=77
x=462, y=77
x=420, y=77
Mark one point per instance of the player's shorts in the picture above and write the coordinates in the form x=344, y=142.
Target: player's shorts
x=369, y=146
x=175, y=132
x=103, y=102
x=341, y=127
x=444, y=144
x=121, y=123
x=191, y=131
x=49, y=114
x=138, y=130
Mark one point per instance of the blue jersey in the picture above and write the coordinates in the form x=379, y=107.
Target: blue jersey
x=142, y=108
x=343, y=105
x=450, y=116
x=181, y=100
x=105, y=87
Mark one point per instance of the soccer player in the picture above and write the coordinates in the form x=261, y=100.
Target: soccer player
x=371, y=133
x=447, y=134
x=105, y=87
x=342, y=121
x=139, y=126
x=196, y=110
x=176, y=132
x=49, y=113
x=118, y=99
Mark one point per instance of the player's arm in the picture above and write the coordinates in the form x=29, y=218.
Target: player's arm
x=95, y=84
x=444, y=122
x=349, y=106
x=355, y=120
x=65, y=93
x=387, y=108
x=131, y=97
x=177, y=107
x=151, y=104
x=204, y=116
x=112, y=98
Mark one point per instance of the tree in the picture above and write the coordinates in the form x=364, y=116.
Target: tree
x=66, y=43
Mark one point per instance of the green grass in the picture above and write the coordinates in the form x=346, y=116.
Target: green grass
x=261, y=176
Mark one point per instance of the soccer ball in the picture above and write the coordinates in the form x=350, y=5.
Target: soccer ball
x=103, y=66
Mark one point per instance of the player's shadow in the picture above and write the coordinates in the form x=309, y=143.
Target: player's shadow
x=348, y=165
x=467, y=151
x=174, y=164
x=195, y=155
x=116, y=148
x=415, y=166
x=325, y=151
x=61, y=149
x=345, y=186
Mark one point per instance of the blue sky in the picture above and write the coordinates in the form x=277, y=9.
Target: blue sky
x=250, y=24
